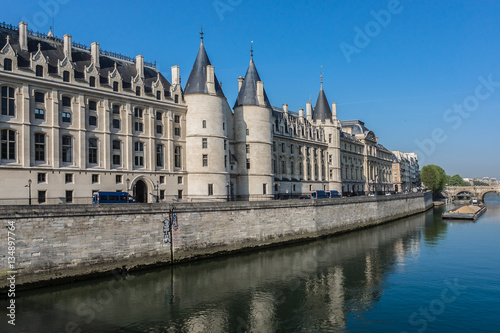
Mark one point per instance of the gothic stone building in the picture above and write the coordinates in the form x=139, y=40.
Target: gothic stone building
x=75, y=120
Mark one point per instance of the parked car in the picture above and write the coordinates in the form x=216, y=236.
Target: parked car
x=319, y=195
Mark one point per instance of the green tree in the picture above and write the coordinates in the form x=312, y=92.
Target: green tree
x=480, y=183
x=434, y=178
x=457, y=180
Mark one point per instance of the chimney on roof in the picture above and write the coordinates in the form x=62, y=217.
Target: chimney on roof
x=139, y=65
x=240, y=82
x=334, y=111
x=211, y=79
x=67, y=46
x=309, y=113
x=176, y=78
x=301, y=114
x=23, y=36
x=285, y=108
x=94, y=53
x=260, y=93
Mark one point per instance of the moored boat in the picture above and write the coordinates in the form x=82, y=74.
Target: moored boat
x=466, y=212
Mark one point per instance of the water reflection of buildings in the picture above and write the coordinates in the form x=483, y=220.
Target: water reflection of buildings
x=315, y=285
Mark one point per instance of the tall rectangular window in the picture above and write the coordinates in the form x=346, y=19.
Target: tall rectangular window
x=247, y=148
x=210, y=189
x=177, y=119
x=264, y=188
x=116, y=109
x=39, y=71
x=7, y=64
x=139, y=154
x=159, y=129
x=8, y=105
x=204, y=143
x=92, y=81
x=93, y=151
x=158, y=95
x=177, y=131
x=42, y=177
x=8, y=143
x=178, y=157
x=67, y=149
x=39, y=147
x=42, y=196
x=159, y=155
x=158, y=115
x=248, y=163
x=138, y=126
x=138, y=91
x=115, y=86
x=66, y=76
x=69, y=196
x=116, y=123
x=205, y=160
x=92, y=105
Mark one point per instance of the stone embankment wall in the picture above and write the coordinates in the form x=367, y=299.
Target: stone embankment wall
x=73, y=241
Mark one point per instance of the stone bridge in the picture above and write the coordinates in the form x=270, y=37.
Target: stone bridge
x=477, y=191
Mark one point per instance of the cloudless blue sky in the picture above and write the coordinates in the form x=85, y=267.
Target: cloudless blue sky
x=426, y=58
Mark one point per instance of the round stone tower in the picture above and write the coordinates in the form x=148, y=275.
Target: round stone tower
x=206, y=132
x=253, y=138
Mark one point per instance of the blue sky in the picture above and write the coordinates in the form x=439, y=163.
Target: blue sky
x=423, y=75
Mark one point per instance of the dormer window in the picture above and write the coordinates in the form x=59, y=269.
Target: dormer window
x=92, y=81
x=176, y=99
x=138, y=91
x=39, y=71
x=115, y=86
x=7, y=64
x=158, y=95
x=66, y=76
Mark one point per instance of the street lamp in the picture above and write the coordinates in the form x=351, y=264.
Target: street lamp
x=128, y=182
x=29, y=191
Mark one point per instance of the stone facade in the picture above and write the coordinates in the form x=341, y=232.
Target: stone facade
x=75, y=120
x=405, y=169
x=69, y=241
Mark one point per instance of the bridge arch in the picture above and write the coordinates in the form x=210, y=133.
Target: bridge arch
x=481, y=196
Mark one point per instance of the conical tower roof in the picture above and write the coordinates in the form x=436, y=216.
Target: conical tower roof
x=197, y=82
x=322, y=110
x=248, y=91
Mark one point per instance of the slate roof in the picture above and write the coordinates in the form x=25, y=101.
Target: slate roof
x=358, y=127
x=248, y=91
x=348, y=137
x=322, y=109
x=53, y=49
x=197, y=82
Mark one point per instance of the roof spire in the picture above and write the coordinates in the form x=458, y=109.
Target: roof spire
x=321, y=77
x=251, y=50
x=201, y=34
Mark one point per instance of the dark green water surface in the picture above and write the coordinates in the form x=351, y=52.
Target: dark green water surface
x=418, y=274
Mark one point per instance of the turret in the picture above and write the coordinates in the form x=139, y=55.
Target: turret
x=253, y=137
x=207, y=112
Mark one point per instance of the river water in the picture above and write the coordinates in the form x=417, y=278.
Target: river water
x=418, y=274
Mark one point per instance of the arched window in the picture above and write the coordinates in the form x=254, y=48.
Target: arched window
x=8, y=144
x=8, y=105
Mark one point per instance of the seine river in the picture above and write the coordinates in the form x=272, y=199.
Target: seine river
x=418, y=274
